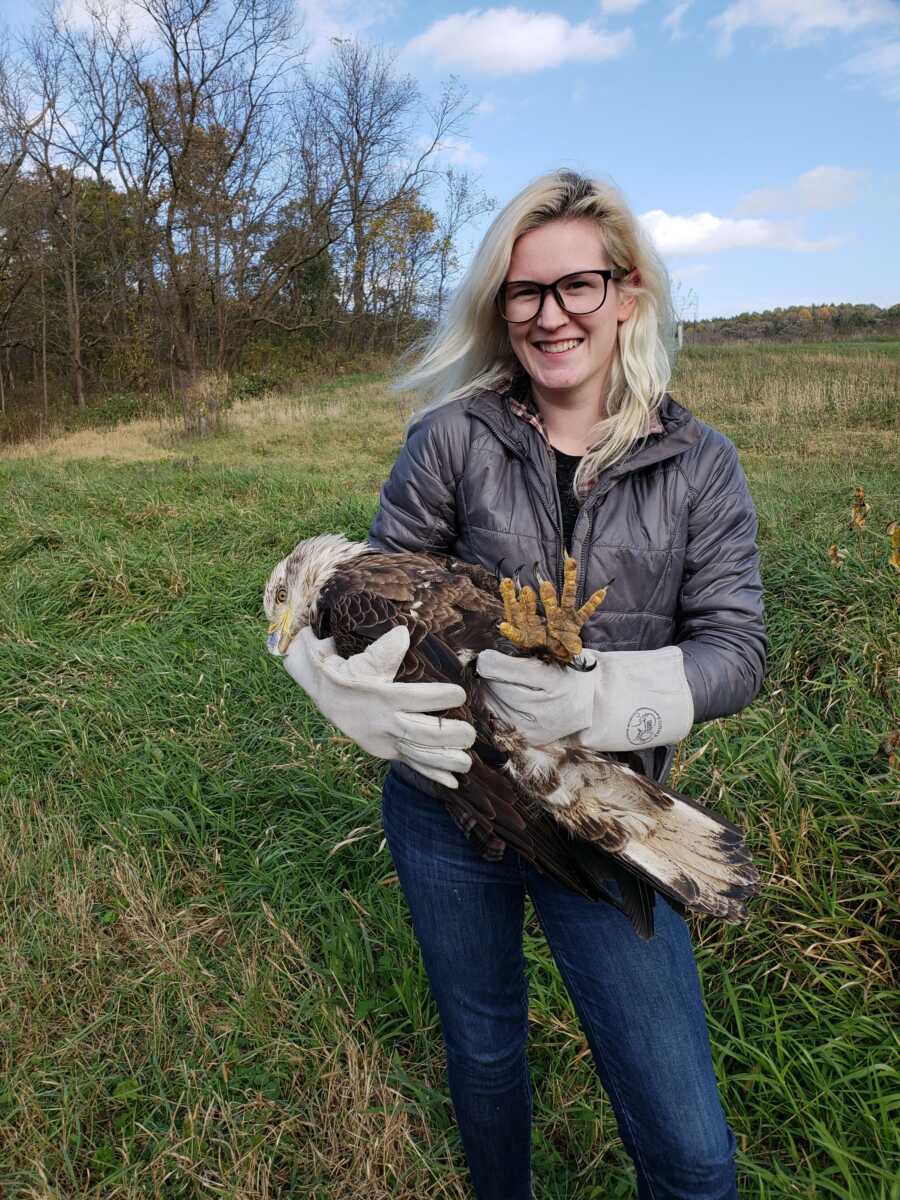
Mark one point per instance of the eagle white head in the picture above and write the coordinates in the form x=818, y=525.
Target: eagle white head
x=293, y=588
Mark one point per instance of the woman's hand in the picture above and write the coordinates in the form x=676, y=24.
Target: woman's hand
x=387, y=719
x=630, y=700
x=544, y=703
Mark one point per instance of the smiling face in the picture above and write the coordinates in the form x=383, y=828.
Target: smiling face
x=568, y=357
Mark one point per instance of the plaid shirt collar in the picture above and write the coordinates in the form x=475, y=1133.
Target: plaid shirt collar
x=521, y=403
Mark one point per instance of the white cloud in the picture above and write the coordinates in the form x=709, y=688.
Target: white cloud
x=141, y=25
x=880, y=66
x=674, y=17
x=796, y=21
x=327, y=19
x=485, y=106
x=321, y=20
x=510, y=41
x=704, y=233
x=456, y=151
x=818, y=190
x=694, y=271
x=460, y=153
x=619, y=7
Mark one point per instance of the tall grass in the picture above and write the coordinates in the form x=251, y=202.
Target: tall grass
x=208, y=982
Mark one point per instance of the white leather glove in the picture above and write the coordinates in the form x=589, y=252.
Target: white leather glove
x=631, y=699
x=387, y=719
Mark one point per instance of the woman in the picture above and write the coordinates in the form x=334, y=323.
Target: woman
x=548, y=427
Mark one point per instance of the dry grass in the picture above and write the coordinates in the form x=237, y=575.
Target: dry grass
x=137, y=441
x=262, y=422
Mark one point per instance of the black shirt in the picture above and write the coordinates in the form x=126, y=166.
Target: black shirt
x=566, y=466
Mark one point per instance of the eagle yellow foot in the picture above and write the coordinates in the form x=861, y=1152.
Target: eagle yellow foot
x=558, y=630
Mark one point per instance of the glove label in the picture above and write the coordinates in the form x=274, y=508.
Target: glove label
x=644, y=725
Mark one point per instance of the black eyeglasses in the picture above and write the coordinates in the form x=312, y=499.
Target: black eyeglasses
x=582, y=292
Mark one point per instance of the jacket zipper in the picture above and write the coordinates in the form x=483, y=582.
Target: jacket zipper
x=590, y=507
x=560, y=532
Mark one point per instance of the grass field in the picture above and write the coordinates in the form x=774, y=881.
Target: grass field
x=208, y=983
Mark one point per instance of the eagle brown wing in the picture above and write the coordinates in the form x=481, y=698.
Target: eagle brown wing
x=456, y=600
x=449, y=614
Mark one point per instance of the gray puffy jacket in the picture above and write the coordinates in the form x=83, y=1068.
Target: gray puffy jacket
x=673, y=523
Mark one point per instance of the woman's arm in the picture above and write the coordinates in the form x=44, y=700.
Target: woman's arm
x=720, y=620
x=418, y=502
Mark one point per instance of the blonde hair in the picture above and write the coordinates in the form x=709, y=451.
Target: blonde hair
x=469, y=351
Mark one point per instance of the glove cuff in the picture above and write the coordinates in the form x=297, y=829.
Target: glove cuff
x=641, y=699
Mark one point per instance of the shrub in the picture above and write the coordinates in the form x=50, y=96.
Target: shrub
x=205, y=402
x=119, y=407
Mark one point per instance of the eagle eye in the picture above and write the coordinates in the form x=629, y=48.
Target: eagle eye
x=280, y=594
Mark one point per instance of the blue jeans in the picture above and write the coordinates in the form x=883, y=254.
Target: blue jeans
x=639, y=1004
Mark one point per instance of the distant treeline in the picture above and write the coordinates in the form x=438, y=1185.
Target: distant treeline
x=813, y=322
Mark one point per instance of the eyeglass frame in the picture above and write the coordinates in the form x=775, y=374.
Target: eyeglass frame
x=608, y=273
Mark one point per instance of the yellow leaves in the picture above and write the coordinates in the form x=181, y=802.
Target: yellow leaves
x=894, y=530
x=859, y=510
x=891, y=747
x=401, y=223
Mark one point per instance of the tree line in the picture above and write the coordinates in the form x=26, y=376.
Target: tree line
x=813, y=322
x=188, y=197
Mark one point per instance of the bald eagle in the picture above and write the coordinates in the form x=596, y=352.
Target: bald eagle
x=578, y=815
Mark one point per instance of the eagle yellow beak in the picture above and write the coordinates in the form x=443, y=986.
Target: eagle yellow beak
x=279, y=634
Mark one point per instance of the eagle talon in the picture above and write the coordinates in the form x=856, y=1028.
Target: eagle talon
x=557, y=632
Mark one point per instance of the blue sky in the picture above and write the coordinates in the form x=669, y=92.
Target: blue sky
x=758, y=139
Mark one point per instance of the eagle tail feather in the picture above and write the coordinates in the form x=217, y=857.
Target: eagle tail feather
x=684, y=850
x=691, y=861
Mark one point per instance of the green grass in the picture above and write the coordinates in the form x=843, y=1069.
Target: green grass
x=208, y=982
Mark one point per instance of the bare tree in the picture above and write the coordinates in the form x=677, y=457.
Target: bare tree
x=201, y=141
x=15, y=129
x=15, y=124
x=372, y=124
x=310, y=220
x=463, y=203
x=46, y=144
x=99, y=107
x=684, y=305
